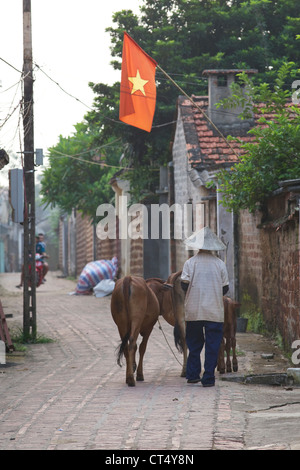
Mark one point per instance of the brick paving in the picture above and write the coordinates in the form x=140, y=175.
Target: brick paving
x=71, y=395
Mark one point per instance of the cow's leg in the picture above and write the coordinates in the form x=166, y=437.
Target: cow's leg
x=126, y=354
x=180, y=342
x=183, y=371
x=221, y=362
x=130, y=361
x=228, y=361
x=234, y=358
x=142, y=350
x=185, y=352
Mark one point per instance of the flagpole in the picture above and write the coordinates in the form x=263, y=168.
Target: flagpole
x=200, y=109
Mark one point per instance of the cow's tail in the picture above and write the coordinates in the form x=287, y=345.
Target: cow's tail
x=125, y=339
x=179, y=343
x=121, y=349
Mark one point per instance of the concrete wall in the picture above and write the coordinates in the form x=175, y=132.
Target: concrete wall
x=188, y=189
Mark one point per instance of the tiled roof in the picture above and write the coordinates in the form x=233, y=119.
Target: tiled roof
x=205, y=147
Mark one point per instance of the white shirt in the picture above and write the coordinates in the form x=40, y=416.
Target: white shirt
x=207, y=275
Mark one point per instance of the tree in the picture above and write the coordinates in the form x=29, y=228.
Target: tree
x=79, y=173
x=184, y=37
x=274, y=155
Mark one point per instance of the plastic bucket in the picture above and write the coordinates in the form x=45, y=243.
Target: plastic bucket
x=241, y=326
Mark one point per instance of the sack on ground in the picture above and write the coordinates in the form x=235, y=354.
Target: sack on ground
x=94, y=272
x=104, y=288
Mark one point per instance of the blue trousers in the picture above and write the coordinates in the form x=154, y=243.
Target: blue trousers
x=198, y=333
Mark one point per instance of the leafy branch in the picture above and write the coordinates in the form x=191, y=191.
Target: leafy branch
x=273, y=154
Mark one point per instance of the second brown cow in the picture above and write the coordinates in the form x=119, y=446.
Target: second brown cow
x=172, y=309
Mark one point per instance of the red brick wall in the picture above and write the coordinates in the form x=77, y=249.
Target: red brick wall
x=250, y=258
x=289, y=284
x=136, y=257
x=269, y=266
x=84, y=242
x=105, y=249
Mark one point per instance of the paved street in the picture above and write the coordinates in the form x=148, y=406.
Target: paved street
x=71, y=395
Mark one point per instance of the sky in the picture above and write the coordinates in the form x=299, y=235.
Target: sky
x=71, y=46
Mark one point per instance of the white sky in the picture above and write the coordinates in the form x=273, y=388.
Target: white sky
x=70, y=44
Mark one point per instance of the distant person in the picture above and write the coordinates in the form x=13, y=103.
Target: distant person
x=205, y=279
x=40, y=248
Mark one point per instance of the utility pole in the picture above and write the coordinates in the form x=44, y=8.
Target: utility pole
x=29, y=295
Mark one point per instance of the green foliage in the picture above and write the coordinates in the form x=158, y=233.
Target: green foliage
x=256, y=323
x=274, y=153
x=19, y=338
x=78, y=177
x=184, y=37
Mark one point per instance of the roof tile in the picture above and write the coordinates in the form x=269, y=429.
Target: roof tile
x=205, y=147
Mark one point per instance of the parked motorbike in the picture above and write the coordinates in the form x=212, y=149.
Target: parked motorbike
x=38, y=270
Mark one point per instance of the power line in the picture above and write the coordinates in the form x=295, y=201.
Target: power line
x=8, y=116
x=89, y=162
x=10, y=65
x=56, y=83
x=114, y=120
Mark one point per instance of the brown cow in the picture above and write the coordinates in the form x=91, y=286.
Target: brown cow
x=229, y=340
x=135, y=310
x=172, y=309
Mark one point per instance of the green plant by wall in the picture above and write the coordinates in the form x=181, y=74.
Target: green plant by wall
x=249, y=310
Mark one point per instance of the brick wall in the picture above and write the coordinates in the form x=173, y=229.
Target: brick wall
x=290, y=284
x=250, y=258
x=136, y=257
x=104, y=249
x=269, y=266
x=84, y=242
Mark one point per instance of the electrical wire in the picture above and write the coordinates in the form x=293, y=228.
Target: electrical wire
x=56, y=83
x=90, y=162
x=8, y=116
x=110, y=144
x=10, y=65
x=75, y=156
x=219, y=111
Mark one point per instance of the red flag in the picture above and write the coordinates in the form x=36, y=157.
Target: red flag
x=138, y=89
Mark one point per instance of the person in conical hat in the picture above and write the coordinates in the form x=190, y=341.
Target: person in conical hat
x=205, y=239
x=204, y=278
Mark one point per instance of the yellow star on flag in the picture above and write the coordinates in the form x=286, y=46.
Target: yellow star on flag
x=138, y=83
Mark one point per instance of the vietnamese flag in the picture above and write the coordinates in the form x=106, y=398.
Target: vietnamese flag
x=138, y=89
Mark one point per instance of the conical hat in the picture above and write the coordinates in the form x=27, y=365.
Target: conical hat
x=205, y=239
